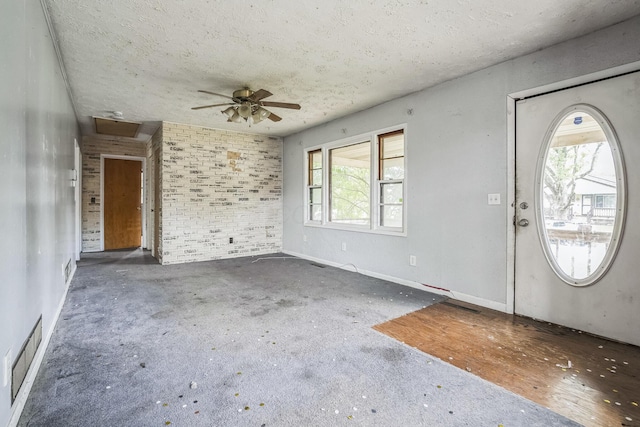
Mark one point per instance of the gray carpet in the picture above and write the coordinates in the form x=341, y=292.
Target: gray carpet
x=271, y=342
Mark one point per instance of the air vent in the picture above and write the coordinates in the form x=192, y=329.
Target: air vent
x=66, y=271
x=24, y=359
x=113, y=127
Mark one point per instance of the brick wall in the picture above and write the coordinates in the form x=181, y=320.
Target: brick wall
x=92, y=148
x=218, y=185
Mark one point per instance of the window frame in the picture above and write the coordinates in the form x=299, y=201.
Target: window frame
x=310, y=186
x=380, y=181
x=373, y=138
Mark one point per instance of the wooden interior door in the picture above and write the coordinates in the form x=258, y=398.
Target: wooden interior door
x=122, y=207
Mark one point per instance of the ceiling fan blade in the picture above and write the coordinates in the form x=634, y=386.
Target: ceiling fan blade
x=274, y=118
x=209, y=106
x=261, y=94
x=216, y=94
x=281, y=105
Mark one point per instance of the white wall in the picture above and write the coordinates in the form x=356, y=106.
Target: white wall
x=458, y=152
x=37, y=131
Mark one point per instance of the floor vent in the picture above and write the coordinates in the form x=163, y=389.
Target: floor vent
x=24, y=359
x=67, y=271
x=317, y=265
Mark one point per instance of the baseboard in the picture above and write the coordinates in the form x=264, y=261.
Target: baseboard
x=471, y=299
x=23, y=394
x=90, y=251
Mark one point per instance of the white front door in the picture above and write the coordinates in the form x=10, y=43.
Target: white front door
x=577, y=176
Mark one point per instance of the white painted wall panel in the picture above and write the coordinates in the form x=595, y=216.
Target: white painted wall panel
x=457, y=153
x=13, y=266
x=37, y=131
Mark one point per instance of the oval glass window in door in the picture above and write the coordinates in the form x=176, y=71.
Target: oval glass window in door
x=581, y=195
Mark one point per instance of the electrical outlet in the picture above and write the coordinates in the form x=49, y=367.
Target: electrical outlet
x=412, y=260
x=493, y=198
x=344, y=246
x=6, y=369
x=304, y=237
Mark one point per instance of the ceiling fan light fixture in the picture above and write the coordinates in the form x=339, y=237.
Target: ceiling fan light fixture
x=264, y=114
x=236, y=118
x=229, y=112
x=245, y=110
x=259, y=115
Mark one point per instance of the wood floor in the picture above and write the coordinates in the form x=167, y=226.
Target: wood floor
x=588, y=379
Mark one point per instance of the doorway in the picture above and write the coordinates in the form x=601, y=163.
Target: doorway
x=575, y=254
x=122, y=203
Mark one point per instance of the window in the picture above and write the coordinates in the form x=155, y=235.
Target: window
x=349, y=183
x=606, y=201
x=581, y=150
x=599, y=205
x=391, y=178
x=314, y=189
x=364, y=183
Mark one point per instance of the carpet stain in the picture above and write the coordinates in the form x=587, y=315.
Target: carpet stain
x=387, y=353
x=260, y=312
x=392, y=354
x=286, y=303
x=66, y=374
x=162, y=314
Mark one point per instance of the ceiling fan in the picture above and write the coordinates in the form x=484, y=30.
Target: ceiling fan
x=249, y=106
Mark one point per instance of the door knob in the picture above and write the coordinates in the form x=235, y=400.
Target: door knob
x=523, y=222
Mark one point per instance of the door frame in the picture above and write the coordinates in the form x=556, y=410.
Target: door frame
x=511, y=156
x=77, y=196
x=155, y=209
x=143, y=160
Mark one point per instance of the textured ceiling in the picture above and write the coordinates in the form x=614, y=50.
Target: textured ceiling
x=148, y=58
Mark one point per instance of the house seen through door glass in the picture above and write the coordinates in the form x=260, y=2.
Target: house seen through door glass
x=579, y=193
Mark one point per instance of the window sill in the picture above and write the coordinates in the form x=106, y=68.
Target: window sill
x=367, y=230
